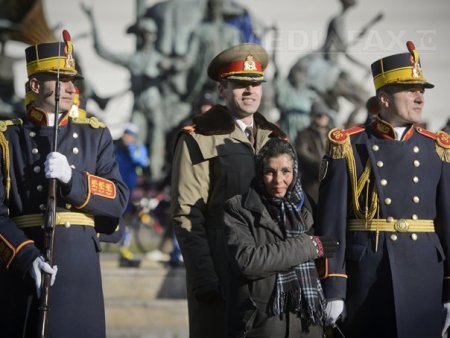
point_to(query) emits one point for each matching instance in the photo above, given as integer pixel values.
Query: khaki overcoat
(213, 161)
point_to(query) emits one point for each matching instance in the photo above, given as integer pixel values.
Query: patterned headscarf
(297, 290)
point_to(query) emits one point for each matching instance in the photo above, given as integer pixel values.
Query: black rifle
(50, 221)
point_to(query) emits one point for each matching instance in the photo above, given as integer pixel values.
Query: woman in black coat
(275, 290)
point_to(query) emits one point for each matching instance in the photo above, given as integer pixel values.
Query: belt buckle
(401, 225)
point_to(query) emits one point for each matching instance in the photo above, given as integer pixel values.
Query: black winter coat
(258, 251)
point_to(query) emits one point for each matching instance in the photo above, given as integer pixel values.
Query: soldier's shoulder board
(441, 137)
(92, 121)
(442, 140)
(340, 136)
(189, 129)
(4, 124)
(427, 133)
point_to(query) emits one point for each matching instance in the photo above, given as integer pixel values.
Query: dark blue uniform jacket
(393, 282)
(95, 190)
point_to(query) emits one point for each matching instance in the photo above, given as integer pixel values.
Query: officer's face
(241, 98)
(43, 86)
(402, 105)
(278, 175)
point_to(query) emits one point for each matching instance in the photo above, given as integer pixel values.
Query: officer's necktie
(250, 135)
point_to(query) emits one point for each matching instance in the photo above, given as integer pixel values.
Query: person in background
(214, 159)
(372, 108)
(311, 144)
(446, 128)
(275, 286)
(384, 195)
(90, 199)
(132, 159)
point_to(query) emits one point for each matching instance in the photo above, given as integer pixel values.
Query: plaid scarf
(297, 290)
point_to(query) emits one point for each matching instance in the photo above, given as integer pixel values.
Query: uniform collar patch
(39, 117)
(385, 130)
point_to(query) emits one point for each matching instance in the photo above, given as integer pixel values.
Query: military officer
(214, 160)
(385, 191)
(90, 199)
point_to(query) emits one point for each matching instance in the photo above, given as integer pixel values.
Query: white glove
(447, 318)
(333, 310)
(57, 166)
(40, 264)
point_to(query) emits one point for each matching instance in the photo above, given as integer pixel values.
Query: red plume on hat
(412, 49)
(68, 49)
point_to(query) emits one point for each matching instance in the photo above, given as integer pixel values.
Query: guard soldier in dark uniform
(385, 193)
(90, 199)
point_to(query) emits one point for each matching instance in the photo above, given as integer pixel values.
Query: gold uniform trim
(62, 218)
(401, 225)
(341, 275)
(51, 65)
(398, 75)
(92, 121)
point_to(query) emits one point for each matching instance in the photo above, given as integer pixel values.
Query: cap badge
(249, 63)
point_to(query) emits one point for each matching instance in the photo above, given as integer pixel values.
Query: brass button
(394, 237)
(67, 225)
(34, 151)
(37, 169)
(75, 135)
(387, 201)
(414, 237)
(39, 188)
(415, 217)
(380, 164)
(375, 147)
(32, 134)
(68, 206)
(383, 182)
(75, 150)
(416, 199)
(416, 163)
(415, 179)
(42, 207)
(390, 219)
(416, 149)
(72, 166)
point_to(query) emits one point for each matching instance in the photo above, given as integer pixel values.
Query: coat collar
(219, 121)
(39, 117)
(385, 130)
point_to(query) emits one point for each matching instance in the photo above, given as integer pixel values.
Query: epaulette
(6, 123)
(340, 136)
(442, 143)
(339, 141)
(189, 129)
(92, 121)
